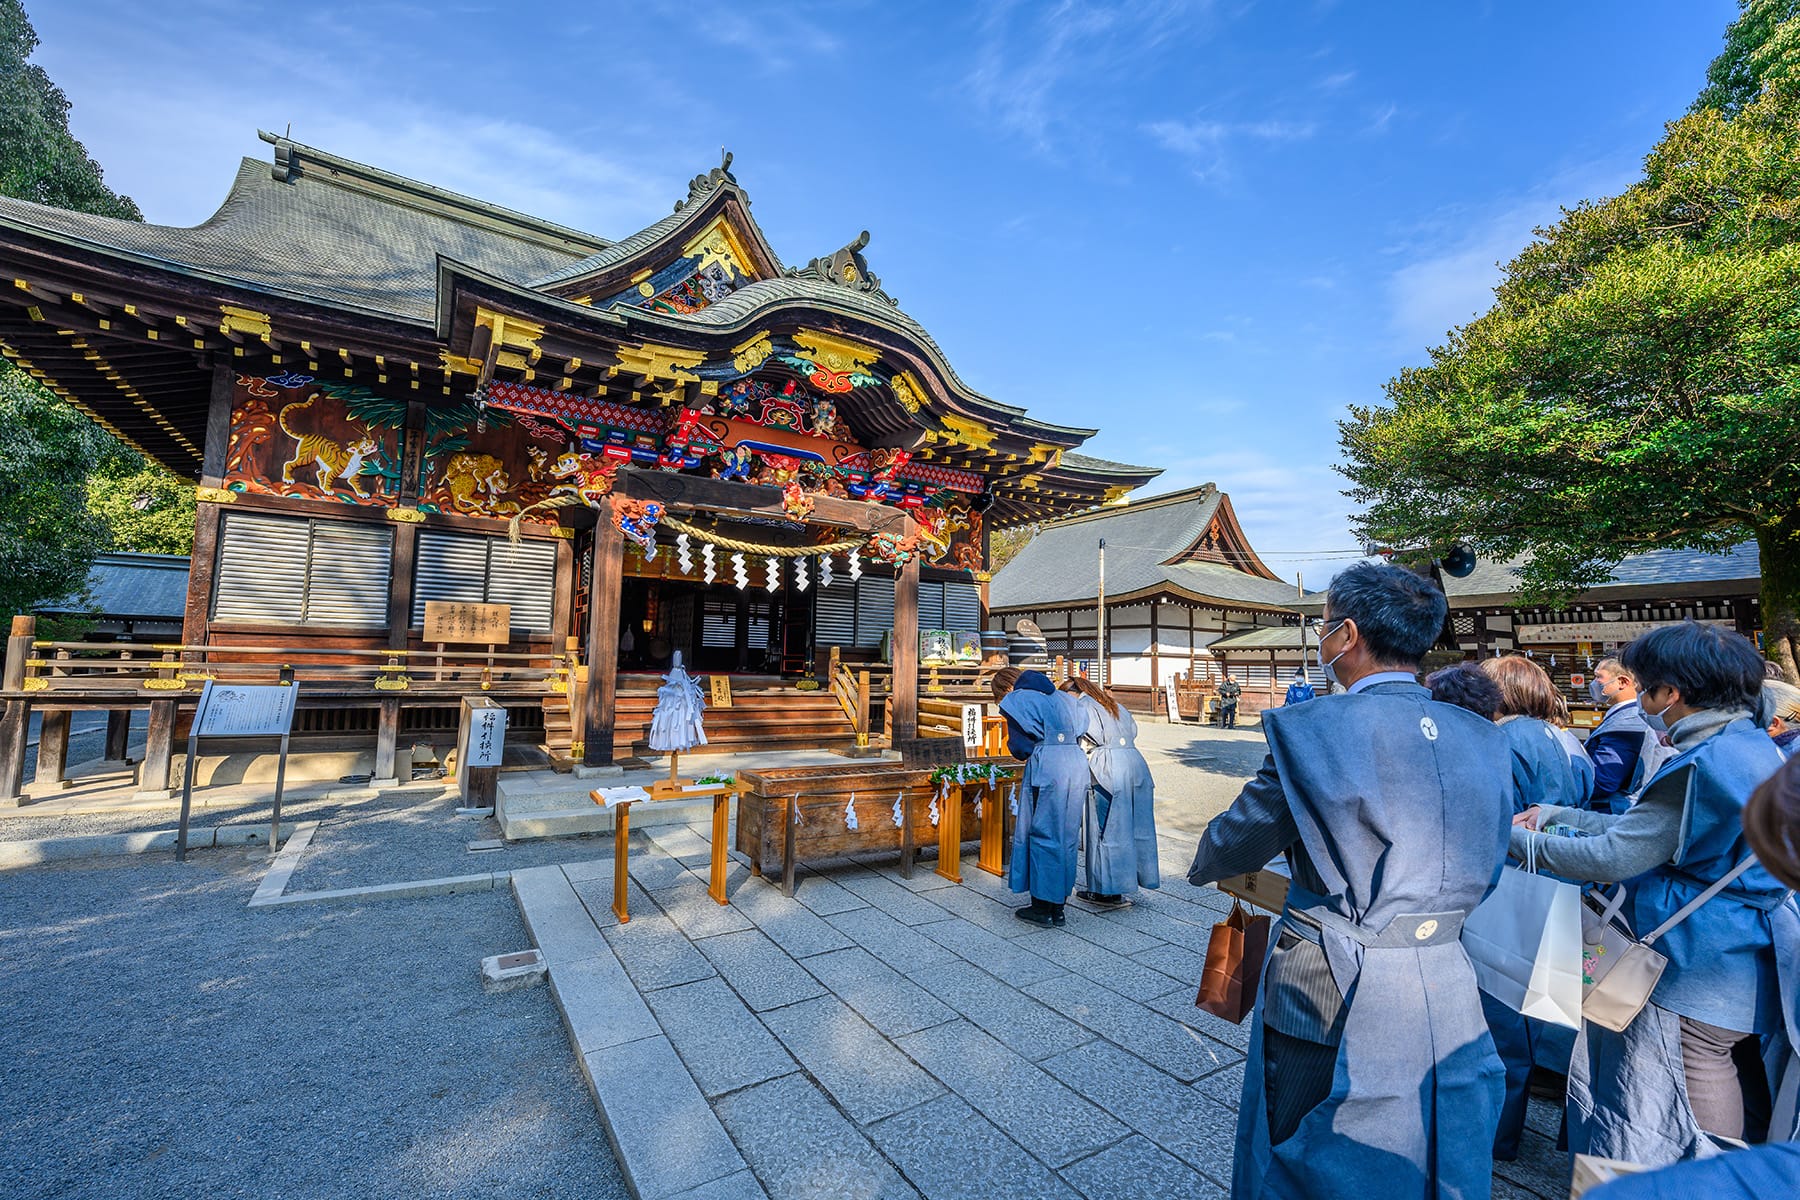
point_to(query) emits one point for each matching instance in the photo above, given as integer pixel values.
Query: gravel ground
(412, 837)
(164, 1040)
(22, 824)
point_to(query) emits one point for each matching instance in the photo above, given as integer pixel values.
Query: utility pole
(1300, 589)
(1100, 642)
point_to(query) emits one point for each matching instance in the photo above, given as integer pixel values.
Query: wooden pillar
(605, 581)
(16, 721)
(53, 748)
(905, 698)
(400, 585)
(118, 735)
(207, 521)
(387, 744)
(159, 750)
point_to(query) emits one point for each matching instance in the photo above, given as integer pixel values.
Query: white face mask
(1330, 673)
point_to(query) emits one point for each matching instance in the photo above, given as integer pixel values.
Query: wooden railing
(77, 667)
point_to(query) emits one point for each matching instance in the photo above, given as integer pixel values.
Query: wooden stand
(663, 789)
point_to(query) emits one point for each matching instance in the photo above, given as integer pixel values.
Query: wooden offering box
(768, 834)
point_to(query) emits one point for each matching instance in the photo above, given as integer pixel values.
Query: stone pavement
(882, 1037)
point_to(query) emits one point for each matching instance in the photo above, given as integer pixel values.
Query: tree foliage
(48, 535)
(144, 507)
(39, 158)
(1762, 46)
(1004, 544)
(1636, 383)
(67, 488)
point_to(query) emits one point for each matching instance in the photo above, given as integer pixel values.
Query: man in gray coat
(1371, 1069)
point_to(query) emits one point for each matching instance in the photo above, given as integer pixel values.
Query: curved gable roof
(318, 227)
(1060, 566)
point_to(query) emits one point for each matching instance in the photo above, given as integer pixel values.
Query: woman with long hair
(1120, 826)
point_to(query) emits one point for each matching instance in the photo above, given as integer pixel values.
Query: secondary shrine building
(390, 394)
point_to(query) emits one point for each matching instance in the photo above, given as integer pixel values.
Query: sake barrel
(995, 645)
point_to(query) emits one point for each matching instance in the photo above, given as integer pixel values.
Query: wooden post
(53, 748)
(622, 862)
(904, 699)
(208, 519)
(400, 586)
(159, 750)
(992, 856)
(17, 719)
(606, 581)
(907, 848)
(949, 863)
(720, 831)
(862, 708)
(387, 744)
(118, 735)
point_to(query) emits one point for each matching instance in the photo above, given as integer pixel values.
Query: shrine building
(1182, 586)
(391, 395)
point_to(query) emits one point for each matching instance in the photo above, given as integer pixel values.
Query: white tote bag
(1524, 941)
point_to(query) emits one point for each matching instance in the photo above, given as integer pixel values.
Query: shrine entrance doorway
(716, 627)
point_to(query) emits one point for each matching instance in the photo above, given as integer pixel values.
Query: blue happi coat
(1120, 826)
(1394, 821)
(1544, 771)
(1047, 835)
(1735, 963)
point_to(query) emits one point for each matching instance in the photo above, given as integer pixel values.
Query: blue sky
(1205, 228)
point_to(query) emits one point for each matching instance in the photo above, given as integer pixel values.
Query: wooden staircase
(766, 714)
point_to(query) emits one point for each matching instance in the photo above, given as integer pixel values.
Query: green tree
(48, 535)
(39, 158)
(1761, 46)
(53, 517)
(144, 507)
(1636, 384)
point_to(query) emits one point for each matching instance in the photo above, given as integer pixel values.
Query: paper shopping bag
(1524, 942)
(1234, 959)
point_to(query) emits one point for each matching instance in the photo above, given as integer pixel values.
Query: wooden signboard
(721, 690)
(454, 621)
(972, 727)
(1171, 701)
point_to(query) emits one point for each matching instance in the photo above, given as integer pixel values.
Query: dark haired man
(1371, 1068)
(1625, 751)
(1230, 690)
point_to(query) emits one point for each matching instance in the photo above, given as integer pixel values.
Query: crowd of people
(1376, 1063)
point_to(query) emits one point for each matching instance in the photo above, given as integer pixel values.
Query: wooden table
(771, 800)
(721, 794)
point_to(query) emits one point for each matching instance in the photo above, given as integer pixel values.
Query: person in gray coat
(1120, 826)
(1371, 1071)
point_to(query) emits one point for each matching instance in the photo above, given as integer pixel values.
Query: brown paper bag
(1234, 959)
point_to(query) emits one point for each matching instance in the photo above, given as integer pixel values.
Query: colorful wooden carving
(292, 436)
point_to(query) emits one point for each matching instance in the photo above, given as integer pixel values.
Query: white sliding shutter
(962, 607)
(524, 576)
(835, 609)
(874, 610)
(347, 579)
(474, 569)
(262, 570)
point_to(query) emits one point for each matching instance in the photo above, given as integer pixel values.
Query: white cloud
(1028, 55)
(1332, 83)
(1454, 261)
(1381, 119)
(1207, 144)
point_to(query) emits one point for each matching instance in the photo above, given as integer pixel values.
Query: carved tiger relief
(329, 458)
